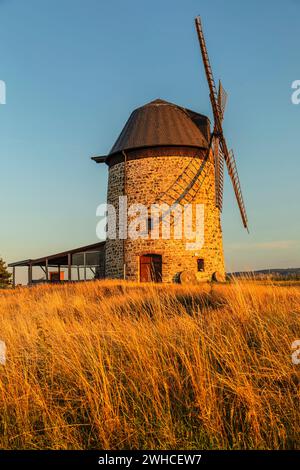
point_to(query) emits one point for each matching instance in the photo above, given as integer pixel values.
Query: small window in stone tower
(150, 225)
(200, 265)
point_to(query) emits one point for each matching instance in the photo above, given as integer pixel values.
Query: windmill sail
(218, 106)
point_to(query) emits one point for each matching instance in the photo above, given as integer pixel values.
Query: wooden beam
(100, 159)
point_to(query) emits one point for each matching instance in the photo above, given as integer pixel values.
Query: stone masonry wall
(114, 248)
(146, 178)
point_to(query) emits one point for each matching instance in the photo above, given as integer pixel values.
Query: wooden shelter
(90, 257)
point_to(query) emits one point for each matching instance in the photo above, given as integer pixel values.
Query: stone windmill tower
(167, 154)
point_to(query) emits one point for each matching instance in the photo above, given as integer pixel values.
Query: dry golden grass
(117, 365)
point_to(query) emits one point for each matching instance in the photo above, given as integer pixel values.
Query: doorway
(151, 268)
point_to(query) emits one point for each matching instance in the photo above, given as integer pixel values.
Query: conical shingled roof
(160, 123)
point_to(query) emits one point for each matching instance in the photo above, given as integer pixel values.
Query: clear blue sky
(74, 71)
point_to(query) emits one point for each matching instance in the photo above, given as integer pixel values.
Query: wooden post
(69, 267)
(84, 262)
(14, 276)
(30, 274)
(78, 272)
(47, 270)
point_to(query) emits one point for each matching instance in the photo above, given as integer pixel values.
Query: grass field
(120, 366)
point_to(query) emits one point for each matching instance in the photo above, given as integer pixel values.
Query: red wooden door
(151, 268)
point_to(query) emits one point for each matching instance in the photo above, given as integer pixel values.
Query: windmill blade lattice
(188, 183)
(219, 174)
(222, 99)
(186, 186)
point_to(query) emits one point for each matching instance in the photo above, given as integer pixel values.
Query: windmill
(167, 155)
(220, 149)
